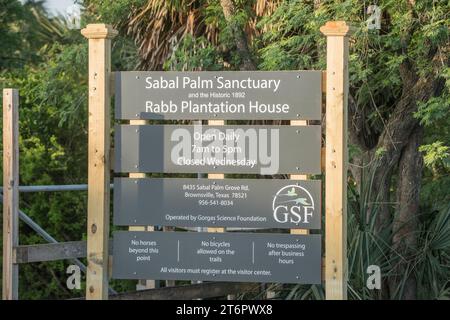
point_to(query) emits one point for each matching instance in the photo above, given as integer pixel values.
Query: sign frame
(337, 34)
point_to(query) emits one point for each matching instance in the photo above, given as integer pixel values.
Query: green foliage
(194, 54)
(436, 109)
(110, 11)
(295, 42)
(53, 144)
(291, 41)
(25, 30)
(11, 17)
(433, 257)
(436, 154)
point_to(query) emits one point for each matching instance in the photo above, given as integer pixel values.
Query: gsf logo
(293, 204)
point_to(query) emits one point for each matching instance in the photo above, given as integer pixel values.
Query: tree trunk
(391, 142)
(397, 147)
(397, 133)
(405, 224)
(240, 39)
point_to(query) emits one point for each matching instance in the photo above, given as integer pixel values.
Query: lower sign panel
(239, 257)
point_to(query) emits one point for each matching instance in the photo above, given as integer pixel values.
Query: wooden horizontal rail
(50, 251)
(203, 290)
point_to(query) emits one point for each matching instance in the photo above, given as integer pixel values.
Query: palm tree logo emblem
(293, 203)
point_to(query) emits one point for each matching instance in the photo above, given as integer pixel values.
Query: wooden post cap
(99, 31)
(337, 28)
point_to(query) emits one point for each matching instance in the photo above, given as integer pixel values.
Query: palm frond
(159, 25)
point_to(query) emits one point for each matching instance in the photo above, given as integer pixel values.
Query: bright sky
(59, 6)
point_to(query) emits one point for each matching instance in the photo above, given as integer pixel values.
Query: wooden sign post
(99, 36)
(10, 192)
(337, 33)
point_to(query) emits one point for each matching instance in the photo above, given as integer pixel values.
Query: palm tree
(158, 26)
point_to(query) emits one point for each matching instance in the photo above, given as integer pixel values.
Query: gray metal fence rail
(38, 229)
